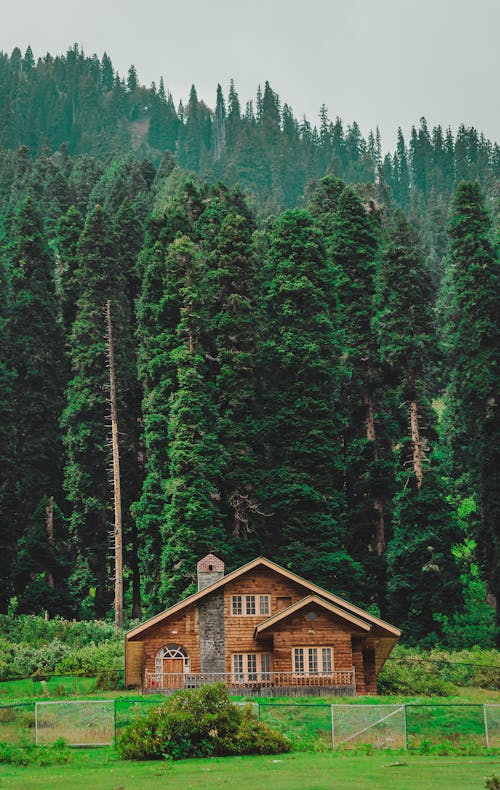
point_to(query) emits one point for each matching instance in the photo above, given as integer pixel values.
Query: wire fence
(403, 726)
(309, 726)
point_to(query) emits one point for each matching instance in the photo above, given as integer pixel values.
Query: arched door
(172, 663)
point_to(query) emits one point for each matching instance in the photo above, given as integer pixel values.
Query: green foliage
(416, 670)
(201, 723)
(474, 341)
(412, 680)
(57, 754)
(31, 645)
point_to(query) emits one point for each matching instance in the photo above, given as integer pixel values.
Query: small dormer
(210, 569)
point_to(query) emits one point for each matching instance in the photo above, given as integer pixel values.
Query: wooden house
(260, 628)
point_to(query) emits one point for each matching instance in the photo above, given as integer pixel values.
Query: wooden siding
(357, 662)
(370, 673)
(240, 628)
(351, 646)
(180, 629)
(134, 663)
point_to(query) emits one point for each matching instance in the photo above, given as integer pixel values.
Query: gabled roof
(262, 561)
(307, 601)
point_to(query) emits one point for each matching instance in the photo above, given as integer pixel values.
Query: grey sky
(385, 62)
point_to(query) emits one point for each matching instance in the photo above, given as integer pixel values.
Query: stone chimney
(210, 569)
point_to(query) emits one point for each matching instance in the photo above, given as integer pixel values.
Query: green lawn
(99, 768)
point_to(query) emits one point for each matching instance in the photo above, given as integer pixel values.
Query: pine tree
(302, 368)
(86, 417)
(233, 327)
(35, 346)
(421, 567)
(7, 467)
(192, 522)
(158, 314)
(354, 248)
(475, 359)
(68, 232)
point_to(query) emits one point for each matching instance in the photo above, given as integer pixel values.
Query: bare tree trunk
(416, 444)
(116, 477)
(49, 512)
(378, 506)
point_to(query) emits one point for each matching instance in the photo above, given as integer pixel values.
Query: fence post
(36, 723)
(486, 733)
(114, 721)
(406, 728)
(332, 717)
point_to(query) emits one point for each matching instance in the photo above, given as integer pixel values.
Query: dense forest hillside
(306, 342)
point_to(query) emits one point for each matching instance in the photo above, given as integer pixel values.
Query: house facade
(263, 629)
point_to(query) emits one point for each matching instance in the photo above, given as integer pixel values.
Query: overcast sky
(385, 62)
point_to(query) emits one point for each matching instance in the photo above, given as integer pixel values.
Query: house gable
(390, 630)
(275, 619)
(262, 611)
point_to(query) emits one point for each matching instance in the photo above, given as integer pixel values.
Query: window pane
(298, 660)
(238, 666)
(250, 604)
(326, 658)
(312, 655)
(237, 608)
(264, 604)
(252, 666)
(265, 666)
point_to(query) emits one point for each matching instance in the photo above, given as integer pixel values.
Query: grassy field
(100, 768)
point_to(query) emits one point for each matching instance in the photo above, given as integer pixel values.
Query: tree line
(318, 384)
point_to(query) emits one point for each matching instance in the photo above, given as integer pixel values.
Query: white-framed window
(250, 605)
(264, 604)
(312, 660)
(237, 606)
(251, 667)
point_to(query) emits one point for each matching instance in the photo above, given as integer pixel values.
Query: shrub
(108, 680)
(199, 723)
(92, 659)
(411, 679)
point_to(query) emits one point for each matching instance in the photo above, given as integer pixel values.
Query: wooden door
(173, 665)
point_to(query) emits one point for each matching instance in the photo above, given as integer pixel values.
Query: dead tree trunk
(49, 512)
(378, 506)
(416, 444)
(116, 476)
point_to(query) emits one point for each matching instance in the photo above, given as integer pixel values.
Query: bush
(412, 679)
(199, 723)
(108, 680)
(92, 659)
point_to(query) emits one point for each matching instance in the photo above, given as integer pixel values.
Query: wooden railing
(177, 680)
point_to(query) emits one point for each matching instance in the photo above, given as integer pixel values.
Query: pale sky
(385, 62)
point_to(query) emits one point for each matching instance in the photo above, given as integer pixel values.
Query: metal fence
(308, 725)
(404, 726)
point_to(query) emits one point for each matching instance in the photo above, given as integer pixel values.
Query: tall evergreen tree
(302, 366)
(234, 329)
(86, 416)
(192, 522)
(353, 247)
(475, 359)
(35, 347)
(421, 567)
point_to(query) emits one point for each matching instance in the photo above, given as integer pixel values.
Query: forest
(306, 335)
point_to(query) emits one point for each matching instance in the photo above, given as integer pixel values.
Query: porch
(265, 684)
